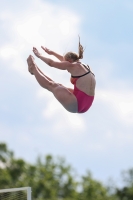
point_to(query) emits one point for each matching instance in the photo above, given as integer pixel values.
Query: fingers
(34, 49)
(36, 52)
(44, 48)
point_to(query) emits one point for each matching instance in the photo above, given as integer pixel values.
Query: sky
(32, 122)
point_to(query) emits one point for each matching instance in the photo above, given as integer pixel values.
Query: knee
(61, 93)
(51, 86)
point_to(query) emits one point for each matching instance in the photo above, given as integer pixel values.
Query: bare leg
(70, 89)
(44, 74)
(30, 67)
(43, 80)
(61, 93)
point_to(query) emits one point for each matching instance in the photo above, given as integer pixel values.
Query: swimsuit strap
(87, 67)
(80, 75)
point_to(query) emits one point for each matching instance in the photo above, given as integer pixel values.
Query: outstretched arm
(60, 57)
(63, 65)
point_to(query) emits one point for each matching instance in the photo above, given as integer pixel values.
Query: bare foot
(31, 64)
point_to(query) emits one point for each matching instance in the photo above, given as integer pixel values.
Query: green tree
(93, 190)
(126, 192)
(5, 154)
(53, 179)
(50, 178)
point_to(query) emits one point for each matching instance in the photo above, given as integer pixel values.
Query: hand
(36, 52)
(48, 51)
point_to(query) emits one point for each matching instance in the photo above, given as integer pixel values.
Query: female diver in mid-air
(77, 100)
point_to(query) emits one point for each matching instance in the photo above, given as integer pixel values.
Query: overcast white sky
(32, 122)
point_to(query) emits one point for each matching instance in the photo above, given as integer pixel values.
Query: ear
(70, 60)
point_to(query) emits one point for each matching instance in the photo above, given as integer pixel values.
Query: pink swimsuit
(84, 100)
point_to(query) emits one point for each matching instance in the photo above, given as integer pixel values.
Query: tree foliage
(126, 192)
(53, 179)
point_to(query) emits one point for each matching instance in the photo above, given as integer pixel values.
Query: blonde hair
(81, 50)
(74, 56)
